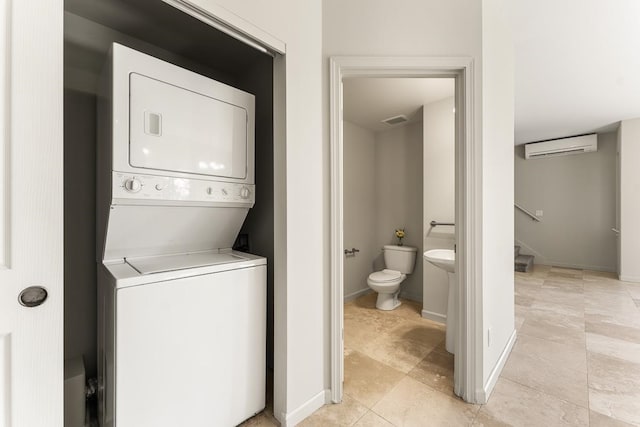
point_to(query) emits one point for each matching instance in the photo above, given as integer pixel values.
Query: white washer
(184, 347)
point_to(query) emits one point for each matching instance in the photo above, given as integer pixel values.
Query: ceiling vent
(395, 120)
(561, 147)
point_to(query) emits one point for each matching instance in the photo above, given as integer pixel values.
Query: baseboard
(296, 416)
(411, 297)
(485, 393)
(436, 317)
(635, 279)
(542, 260)
(580, 266)
(357, 294)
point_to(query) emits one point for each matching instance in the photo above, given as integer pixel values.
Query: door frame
(468, 211)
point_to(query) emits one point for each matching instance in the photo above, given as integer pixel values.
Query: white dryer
(182, 317)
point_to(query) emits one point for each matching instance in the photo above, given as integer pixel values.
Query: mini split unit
(561, 147)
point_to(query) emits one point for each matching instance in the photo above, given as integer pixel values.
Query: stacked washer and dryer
(181, 316)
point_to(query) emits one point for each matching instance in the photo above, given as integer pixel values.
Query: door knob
(32, 296)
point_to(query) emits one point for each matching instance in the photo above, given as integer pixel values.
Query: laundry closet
(164, 33)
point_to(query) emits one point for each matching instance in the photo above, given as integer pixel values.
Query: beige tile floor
(576, 361)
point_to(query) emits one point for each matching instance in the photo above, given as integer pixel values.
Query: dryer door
(177, 130)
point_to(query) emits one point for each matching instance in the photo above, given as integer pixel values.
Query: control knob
(245, 192)
(132, 185)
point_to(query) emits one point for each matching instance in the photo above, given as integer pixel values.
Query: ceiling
(577, 66)
(367, 101)
(577, 71)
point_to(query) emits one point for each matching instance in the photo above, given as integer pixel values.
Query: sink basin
(443, 258)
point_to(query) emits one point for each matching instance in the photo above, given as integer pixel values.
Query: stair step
(523, 263)
(516, 251)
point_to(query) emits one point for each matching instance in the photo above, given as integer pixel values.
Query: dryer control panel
(152, 188)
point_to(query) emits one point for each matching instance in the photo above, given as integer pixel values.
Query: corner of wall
(296, 416)
(492, 379)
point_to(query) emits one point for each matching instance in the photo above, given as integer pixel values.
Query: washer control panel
(151, 187)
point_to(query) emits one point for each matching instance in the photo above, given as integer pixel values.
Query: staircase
(523, 263)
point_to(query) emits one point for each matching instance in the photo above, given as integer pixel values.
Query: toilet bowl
(387, 284)
(399, 261)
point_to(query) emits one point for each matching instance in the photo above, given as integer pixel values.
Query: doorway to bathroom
(399, 175)
(404, 199)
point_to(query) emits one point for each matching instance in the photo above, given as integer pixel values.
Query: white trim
(436, 317)
(296, 416)
(357, 294)
(280, 278)
(468, 365)
(635, 279)
(337, 244)
(485, 393)
(468, 370)
(5, 132)
(5, 379)
(231, 24)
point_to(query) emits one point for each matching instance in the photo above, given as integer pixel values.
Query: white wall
(497, 188)
(360, 212)
(629, 200)
(577, 197)
(438, 201)
(398, 186)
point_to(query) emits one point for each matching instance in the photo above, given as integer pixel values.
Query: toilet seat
(387, 284)
(385, 276)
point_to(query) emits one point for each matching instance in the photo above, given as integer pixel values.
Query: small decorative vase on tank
(400, 235)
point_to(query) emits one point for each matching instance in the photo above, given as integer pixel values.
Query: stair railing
(526, 212)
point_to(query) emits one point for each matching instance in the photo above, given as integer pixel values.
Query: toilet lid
(385, 275)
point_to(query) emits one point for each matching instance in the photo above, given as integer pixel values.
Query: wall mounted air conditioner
(561, 147)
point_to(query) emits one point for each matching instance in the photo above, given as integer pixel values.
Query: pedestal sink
(446, 260)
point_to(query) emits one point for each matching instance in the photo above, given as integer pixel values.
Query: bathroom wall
(360, 209)
(576, 195)
(438, 201)
(398, 188)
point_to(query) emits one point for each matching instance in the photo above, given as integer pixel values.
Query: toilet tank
(400, 258)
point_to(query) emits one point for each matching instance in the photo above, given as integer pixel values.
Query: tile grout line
(586, 355)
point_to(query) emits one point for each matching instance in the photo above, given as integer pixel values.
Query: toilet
(399, 261)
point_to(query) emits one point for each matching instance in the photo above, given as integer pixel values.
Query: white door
(31, 200)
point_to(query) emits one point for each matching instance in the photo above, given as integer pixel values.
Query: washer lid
(162, 263)
(385, 275)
